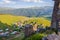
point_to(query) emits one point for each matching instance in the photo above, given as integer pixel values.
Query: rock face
(52, 37)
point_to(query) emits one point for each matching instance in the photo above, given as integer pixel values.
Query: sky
(25, 3)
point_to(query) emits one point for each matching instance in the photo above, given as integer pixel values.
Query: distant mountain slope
(33, 11)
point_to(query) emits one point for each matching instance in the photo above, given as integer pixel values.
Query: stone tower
(56, 15)
(28, 30)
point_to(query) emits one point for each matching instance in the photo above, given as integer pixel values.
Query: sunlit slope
(10, 19)
(40, 20)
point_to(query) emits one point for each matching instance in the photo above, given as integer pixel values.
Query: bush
(37, 36)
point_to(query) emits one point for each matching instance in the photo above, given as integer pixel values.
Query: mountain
(33, 11)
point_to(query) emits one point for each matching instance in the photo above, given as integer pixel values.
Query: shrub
(37, 36)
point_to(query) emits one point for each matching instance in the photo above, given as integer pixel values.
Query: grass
(37, 36)
(11, 19)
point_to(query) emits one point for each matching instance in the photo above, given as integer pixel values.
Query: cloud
(17, 1)
(32, 0)
(24, 3)
(6, 1)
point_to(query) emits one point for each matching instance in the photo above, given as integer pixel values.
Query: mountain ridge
(33, 11)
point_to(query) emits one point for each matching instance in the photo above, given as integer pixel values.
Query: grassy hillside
(10, 19)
